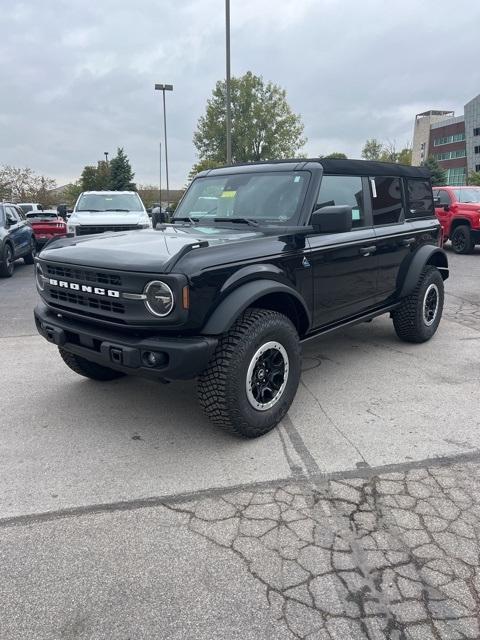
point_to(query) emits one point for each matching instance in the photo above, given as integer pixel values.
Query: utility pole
(228, 117)
(160, 175)
(163, 88)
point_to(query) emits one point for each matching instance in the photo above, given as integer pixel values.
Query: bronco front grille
(87, 302)
(87, 230)
(84, 275)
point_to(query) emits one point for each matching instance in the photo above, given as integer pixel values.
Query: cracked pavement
(125, 515)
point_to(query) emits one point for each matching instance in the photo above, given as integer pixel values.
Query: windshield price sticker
(229, 194)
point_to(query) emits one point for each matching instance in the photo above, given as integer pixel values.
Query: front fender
(243, 297)
(410, 274)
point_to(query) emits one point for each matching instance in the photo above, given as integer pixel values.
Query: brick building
(452, 140)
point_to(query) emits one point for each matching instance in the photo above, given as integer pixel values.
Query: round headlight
(159, 300)
(39, 277)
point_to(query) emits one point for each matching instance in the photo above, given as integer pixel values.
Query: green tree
(439, 175)
(474, 178)
(121, 174)
(24, 185)
(372, 149)
(405, 156)
(203, 165)
(263, 125)
(336, 154)
(103, 176)
(88, 179)
(71, 192)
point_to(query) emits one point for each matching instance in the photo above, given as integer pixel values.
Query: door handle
(366, 251)
(407, 242)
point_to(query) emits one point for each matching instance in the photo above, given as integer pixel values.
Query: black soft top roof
(372, 168)
(330, 165)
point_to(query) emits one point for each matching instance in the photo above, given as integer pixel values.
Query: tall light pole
(228, 117)
(163, 88)
(105, 153)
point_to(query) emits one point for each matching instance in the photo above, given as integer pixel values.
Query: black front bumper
(178, 358)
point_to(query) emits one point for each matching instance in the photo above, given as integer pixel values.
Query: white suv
(100, 211)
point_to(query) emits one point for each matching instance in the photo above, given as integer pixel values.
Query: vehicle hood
(100, 218)
(147, 250)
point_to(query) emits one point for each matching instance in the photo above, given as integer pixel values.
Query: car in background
(101, 211)
(46, 225)
(458, 211)
(30, 206)
(16, 239)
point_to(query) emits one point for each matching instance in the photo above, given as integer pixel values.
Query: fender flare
(427, 254)
(241, 298)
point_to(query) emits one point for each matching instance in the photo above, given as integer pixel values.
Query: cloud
(77, 78)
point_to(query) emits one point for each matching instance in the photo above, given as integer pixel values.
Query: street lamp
(163, 88)
(105, 153)
(227, 56)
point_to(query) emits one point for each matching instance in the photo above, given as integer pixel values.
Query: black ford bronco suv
(257, 259)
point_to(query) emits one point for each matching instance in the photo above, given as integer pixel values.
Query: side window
(387, 206)
(443, 197)
(12, 215)
(20, 214)
(420, 200)
(337, 190)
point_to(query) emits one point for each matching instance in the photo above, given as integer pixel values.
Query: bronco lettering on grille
(85, 288)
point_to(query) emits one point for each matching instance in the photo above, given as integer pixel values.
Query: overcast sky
(77, 76)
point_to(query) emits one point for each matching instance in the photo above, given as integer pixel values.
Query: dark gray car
(16, 239)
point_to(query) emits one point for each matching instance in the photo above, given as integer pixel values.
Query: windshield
(468, 195)
(267, 197)
(109, 202)
(25, 207)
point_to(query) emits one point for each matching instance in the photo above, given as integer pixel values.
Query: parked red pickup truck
(46, 225)
(458, 210)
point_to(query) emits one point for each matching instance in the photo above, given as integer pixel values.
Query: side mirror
(446, 207)
(336, 219)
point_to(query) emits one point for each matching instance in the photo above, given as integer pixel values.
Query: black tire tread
(3, 266)
(471, 244)
(211, 387)
(88, 369)
(405, 317)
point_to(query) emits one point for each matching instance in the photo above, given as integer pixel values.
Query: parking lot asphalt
(125, 514)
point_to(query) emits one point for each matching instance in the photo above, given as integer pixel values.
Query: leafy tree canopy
(439, 175)
(264, 127)
(474, 178)
(121, 174)
(24, 185)
(336, 154)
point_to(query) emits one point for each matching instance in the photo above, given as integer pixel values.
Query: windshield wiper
(186, 219)
(94, 210)
(118, 210)
(250, 221)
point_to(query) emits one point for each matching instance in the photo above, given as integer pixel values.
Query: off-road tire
(222, 386)
(409, 319)
(30, 257)
(461, 240)
(88, 369)
(7, 263)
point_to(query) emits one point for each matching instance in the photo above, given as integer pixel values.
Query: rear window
(25, 207)
(387, 206)
(40, 215)
(420, 199)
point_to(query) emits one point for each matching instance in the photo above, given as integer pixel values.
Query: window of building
(387, 206)
(420, 199)
(337, 190)
(456, 176)
(477, 167)
(477, 148)
(476, 131)
(456, 137)
(450, 155)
